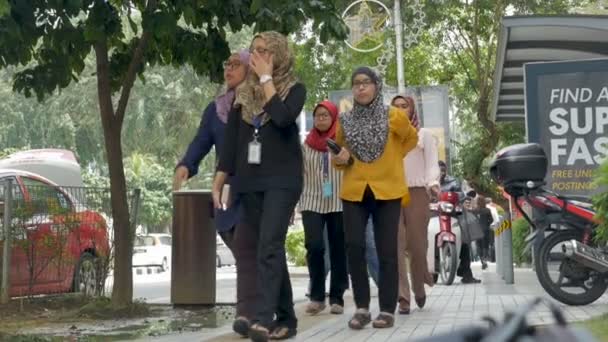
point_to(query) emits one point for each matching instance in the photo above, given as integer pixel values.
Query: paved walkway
(448, 308)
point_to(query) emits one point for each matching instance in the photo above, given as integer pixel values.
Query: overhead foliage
(50, 41)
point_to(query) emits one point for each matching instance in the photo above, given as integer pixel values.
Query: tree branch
(499, 9)
(134, 65)
(471, 49)
(464, 66)
(476, 41)
(104, 91)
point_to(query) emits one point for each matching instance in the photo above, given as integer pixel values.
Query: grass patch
(101, 308)
(24, 313)
(27, 338)
(21, 313)
(598, 327)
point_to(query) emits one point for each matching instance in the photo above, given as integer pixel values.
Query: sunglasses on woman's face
(323, 116)
(231, 65)
(362, 83)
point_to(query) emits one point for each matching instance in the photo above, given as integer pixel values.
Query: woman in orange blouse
(377, 138)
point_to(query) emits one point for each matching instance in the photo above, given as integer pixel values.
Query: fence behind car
(56, 239)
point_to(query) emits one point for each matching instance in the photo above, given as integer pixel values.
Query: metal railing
(56, 239)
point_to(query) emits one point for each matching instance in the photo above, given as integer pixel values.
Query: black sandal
(360, 320)
(384, 320)
(241, 326)
(403, 309)
(258, 333)
(283, 333)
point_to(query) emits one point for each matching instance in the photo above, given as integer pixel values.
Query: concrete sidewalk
(448, 308)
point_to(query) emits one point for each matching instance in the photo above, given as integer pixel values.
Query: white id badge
(254, 153)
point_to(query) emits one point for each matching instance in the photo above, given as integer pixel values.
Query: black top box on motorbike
(519, 164)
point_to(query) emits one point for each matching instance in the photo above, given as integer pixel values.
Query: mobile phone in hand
(225, 196)
(333, 146)
(335, 149)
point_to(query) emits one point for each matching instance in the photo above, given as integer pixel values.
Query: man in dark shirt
(449, 183)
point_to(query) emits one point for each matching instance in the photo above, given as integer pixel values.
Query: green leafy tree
(601, 201)
(466, 36)
(52, 39)
(144, 172)
(458, 48)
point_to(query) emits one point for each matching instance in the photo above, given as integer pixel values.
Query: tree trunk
(122, 291)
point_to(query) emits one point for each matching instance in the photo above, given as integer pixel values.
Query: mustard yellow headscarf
(250, 94)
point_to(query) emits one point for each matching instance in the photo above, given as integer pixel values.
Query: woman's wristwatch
(265, 78)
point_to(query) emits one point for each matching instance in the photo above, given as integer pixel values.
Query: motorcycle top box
(517, 165)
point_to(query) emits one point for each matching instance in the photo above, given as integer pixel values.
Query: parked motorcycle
(569, 264)
(444, 236)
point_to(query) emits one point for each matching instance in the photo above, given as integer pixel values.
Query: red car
(57, 242)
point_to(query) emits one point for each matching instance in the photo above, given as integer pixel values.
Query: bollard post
(507, 238)
(498, 249)
(6, 249)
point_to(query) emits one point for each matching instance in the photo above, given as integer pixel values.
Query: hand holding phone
(333, 146)
(341, 154)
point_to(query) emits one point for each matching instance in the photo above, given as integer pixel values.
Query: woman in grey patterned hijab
(366, 126)
(373, 185)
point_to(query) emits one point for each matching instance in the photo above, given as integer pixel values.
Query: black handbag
(470, 227)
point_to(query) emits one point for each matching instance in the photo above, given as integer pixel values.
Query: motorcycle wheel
(448, 263)
(577, 276)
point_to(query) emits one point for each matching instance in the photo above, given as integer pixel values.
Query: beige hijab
(250, 94)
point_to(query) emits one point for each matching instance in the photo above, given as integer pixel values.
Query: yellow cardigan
(385, 176)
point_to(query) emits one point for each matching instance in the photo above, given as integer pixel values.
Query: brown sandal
(384, 320)
(258, 333)
(315, 308)
(404, 307)
(283, 333)
(241, 326)
(360, 319)
(336, 309)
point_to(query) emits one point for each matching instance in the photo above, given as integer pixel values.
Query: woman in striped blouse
(321, 207)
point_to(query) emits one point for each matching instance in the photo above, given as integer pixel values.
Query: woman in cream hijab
(262, 151)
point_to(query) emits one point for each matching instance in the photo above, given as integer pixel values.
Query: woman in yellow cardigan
(375, 139)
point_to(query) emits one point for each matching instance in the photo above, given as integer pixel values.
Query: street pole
(399, 46)
(6, 250)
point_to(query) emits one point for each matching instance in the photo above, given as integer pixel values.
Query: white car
(152, 250)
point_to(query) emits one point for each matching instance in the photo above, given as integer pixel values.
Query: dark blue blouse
(210, 134)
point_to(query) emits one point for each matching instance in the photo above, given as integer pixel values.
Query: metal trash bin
(193, 249)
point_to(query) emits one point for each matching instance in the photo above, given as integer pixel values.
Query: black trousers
(484, 247)
(464, 268)
(268, 213)
(385, 216)
(314, 227)
(243, 244)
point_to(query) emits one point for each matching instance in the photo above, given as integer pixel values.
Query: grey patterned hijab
(366, 127)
